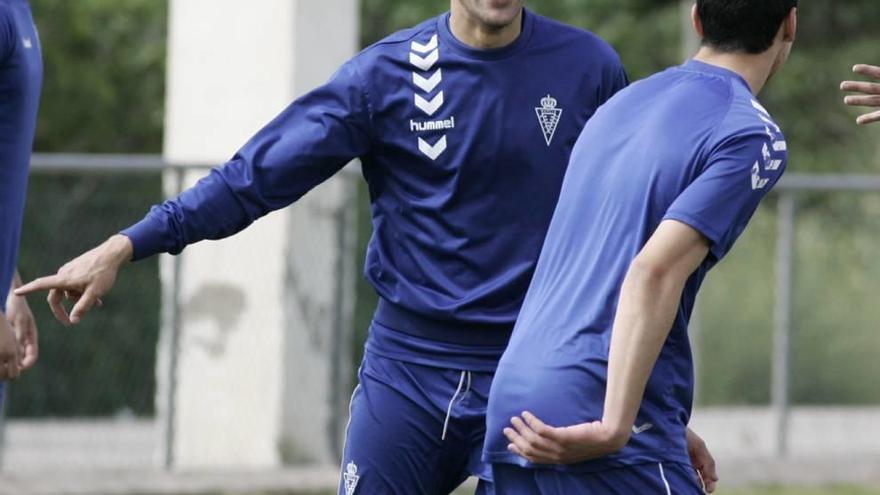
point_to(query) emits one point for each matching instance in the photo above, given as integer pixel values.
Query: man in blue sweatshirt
(21, 77)
(464, 125)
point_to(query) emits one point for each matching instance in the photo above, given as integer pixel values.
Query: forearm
(208, 210)
(16, 281)
(646, 310)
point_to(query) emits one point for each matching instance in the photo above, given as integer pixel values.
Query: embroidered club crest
(548, 117)
(350, 478)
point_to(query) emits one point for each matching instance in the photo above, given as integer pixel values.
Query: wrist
(119, 248)
(618, 432)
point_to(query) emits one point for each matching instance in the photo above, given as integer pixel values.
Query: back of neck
(755, 69)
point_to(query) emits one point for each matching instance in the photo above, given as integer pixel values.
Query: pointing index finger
(40, 284)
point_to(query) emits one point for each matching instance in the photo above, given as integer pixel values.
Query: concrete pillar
(252, 357)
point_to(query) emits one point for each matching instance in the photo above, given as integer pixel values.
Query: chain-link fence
(787, 322)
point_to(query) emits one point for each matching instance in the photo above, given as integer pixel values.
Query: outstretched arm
(311, 140)
(649, 301)
(20, 317)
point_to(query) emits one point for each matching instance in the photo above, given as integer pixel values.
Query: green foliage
(105, 75)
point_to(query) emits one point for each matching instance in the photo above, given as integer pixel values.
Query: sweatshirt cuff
(146, 238)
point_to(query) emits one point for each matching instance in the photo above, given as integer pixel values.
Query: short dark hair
(742, 25)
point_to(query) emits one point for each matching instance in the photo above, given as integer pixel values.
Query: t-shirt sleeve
(614, 79)
(311, 140)
(738, 175)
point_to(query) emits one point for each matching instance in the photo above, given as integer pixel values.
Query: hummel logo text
(435, 125)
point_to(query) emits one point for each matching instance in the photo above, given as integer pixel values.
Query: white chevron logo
(434, 151)
(641, 429)
(770, 123)
(420, 48)
(429, 107)
(760, 108)
(428, 84)
(425, 63)
(757, 181)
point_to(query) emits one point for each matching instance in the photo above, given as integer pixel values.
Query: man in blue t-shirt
(464, 125)
(594, 392)
(21, 76)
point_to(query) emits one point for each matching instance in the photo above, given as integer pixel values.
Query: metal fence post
(171, 301)
(782, 321)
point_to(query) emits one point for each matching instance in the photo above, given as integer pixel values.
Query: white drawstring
(452, 402)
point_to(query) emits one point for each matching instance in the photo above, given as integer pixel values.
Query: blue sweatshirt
(463, 150)
(690, 144)
(21, 77)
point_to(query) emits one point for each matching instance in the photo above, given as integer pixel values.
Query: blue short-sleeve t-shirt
(690, 144)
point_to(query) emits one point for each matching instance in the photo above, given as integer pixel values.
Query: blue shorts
(415, 429)
(642, 479)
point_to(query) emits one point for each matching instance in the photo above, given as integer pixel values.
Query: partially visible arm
(20, 317)
(9, 354)
(9, 358)
(870, 93)
(649, 301)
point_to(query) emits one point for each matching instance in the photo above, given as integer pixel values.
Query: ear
(789, 26)
(698, 24)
